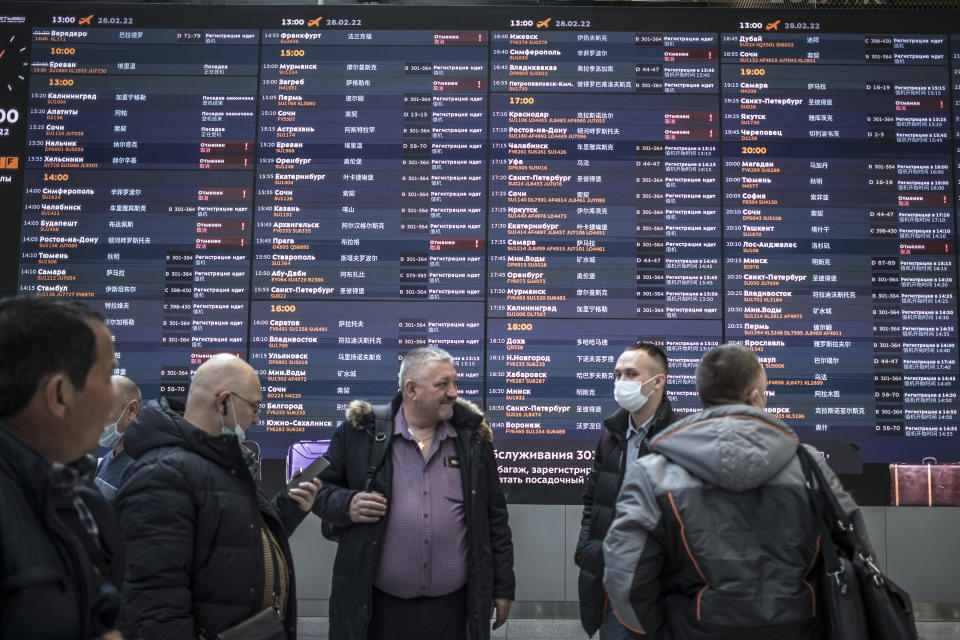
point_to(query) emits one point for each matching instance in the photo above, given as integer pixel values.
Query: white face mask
(110, 436)
(629, 394)
(237, 429)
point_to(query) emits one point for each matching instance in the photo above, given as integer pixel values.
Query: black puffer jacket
(50, 588)
(489, 545)
(191, 515)
(599, 506)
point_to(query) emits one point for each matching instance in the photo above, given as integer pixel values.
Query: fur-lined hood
(358, 409)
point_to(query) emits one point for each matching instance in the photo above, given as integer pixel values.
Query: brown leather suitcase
(928, 484)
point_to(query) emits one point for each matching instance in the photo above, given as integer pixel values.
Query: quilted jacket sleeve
(158, 519)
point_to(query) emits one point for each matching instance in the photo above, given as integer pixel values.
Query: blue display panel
(313, 358)
(551, 381)
(840, 232)
(532, 190)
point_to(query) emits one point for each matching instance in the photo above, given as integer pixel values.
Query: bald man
(206, 549)
(126, 405)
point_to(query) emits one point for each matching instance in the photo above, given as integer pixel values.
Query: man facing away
(126, 405)
(426, 550)
(640, 376)
(715, 535)
(205, 548)
(60, 548)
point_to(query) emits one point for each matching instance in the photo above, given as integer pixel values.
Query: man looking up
(126, 406)
(425, 551)
(715, 536)
(59, 544)
(206, 550)
(640, 376)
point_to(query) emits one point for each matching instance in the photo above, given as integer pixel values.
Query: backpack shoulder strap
(605, 439)
(381, 441)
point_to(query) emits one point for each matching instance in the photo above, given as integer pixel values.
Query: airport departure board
(320, 189)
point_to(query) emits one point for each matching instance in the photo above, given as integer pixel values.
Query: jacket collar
(467, 417)
(158, 425)
(618, 423)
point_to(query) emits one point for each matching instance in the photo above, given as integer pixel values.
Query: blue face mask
(237, 429)
(110, 436)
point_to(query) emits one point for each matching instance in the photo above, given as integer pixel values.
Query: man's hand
(367, 506)
(305, 493)
(502, 605)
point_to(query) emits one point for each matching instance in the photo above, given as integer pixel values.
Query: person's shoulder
(469, 416)
(358, 414)
(167, 459)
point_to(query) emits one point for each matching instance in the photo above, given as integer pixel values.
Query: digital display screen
(321, 189)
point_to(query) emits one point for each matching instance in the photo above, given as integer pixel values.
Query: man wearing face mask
(640, 376)
(714, 536)
(127, 403)
(206, 549)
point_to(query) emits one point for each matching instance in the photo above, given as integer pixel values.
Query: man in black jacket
(425, 550)
(60, 548)
(640, 380)
(205, 548)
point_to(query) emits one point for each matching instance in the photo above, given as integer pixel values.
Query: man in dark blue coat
(127, 403)
(205, 548)
(60, 550)
(425, 551)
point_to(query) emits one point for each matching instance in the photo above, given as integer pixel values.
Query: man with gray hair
(126, 405)
(425, 550)
(715, 536)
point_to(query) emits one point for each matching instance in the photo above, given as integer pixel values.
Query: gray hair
(415, 360)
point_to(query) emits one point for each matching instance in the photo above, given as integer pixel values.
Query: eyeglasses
(253, 405)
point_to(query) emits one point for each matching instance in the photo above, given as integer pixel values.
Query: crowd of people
(692, 528)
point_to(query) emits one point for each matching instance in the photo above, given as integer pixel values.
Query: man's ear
(663, 385)
(55, 392)
(756, 398)
(409, 388)
(221, 400)
(134, 408)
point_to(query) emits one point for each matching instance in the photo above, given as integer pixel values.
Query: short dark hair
(39, 337)
(726, 374)
(655, 352)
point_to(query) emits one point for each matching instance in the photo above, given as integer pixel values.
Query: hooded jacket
(715, 535)
(50, 587)
(191, 516)
(599, 505)
(489, 544)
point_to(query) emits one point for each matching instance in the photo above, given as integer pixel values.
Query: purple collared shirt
(424, 549)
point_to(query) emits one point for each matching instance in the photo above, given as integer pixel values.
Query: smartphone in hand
(312, 471)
